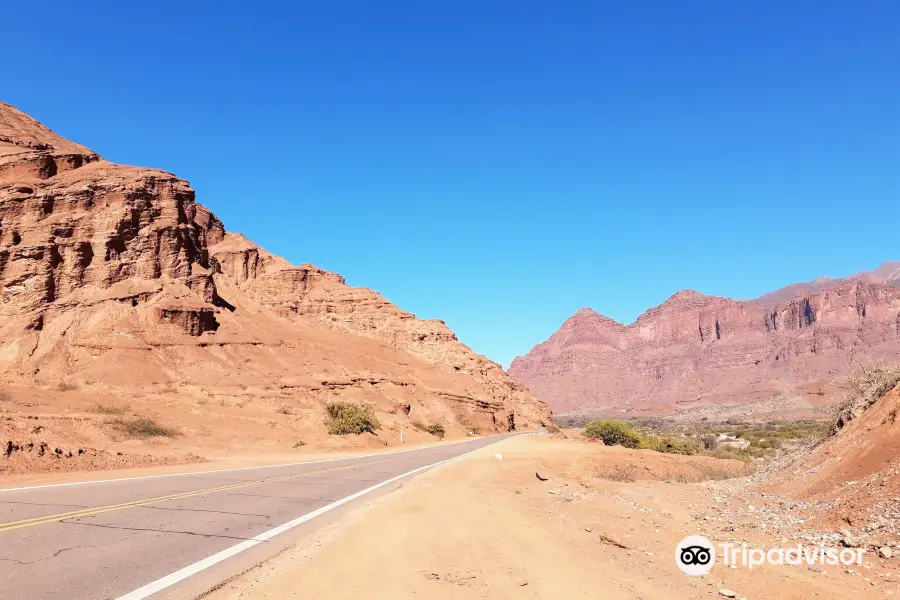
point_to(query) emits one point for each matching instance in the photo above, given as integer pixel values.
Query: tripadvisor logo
(696, 555)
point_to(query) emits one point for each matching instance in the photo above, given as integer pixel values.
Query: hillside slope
(114, 274)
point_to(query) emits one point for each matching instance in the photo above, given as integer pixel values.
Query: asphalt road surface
(156, 537)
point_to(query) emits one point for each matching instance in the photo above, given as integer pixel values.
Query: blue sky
(499, 165)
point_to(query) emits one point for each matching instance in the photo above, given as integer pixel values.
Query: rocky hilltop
(697, 349)
(116, 274)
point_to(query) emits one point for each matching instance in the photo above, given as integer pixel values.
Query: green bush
(613, 433)
(672, 445)
(435, 429)
(345, 418)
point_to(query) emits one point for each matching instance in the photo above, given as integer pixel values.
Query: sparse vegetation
(862, 389)
(613, 433)
(471, 426)
(709, 441)
(299, 444)
(572, 421)
(109, 409)
(620, 433)
(617, 472)
(346, 418)
(65, 386)
(5, 397)
(435, 429)
(285, 410)
(671, 444)
(143, 428)
(688, 471)
(705, 470)
(551, 428)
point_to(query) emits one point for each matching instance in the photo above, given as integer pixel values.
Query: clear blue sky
(499, 165)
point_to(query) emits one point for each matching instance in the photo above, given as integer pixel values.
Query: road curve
(138, 538)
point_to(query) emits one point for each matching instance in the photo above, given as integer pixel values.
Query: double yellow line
(88, 512)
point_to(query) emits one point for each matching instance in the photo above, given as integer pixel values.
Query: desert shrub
(345, 418)
(109, 409)
(435, 429)
(702, 470)
(671, 445)
(5, 397)
(617, 472)
(65, 386)
(299, 444)
(144, 428)
(551, 428)
(709, 441)
(613, 433)
(284, 410)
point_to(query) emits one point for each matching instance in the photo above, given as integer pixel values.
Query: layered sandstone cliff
(696, 348)
(115, 273)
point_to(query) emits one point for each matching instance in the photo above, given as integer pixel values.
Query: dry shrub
(705, 470)
(345, 418)
(143, 428)
(109, 409)
(435, 429)
(617, 472)
(671, 444)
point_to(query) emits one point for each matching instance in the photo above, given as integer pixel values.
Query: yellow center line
(87, 512)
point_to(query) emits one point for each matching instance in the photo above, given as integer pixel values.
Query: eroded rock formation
(696, 348)
(116, 273)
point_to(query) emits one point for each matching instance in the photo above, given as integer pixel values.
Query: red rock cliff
(115, 273)
(694, 346)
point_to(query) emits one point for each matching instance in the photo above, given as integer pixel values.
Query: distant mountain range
(888, 273)
(695, 349)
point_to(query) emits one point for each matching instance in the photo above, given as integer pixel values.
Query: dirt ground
(58, 431)
(480, 527)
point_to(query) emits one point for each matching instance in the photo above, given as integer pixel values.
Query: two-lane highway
(134, 538)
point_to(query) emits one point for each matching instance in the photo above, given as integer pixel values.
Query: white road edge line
(294, 464)
(201, 565)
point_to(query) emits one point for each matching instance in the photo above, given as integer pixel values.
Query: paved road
(142, 538)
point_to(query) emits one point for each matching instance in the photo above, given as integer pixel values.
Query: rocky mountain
(116, 274)
(888, 273)
(696, 349)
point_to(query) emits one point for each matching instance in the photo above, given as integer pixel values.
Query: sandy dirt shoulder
(486, 528)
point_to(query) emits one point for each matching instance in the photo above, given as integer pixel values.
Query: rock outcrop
(704, 349)
(116, 273)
